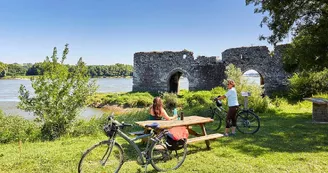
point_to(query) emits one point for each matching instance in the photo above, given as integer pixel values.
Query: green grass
(286, 142)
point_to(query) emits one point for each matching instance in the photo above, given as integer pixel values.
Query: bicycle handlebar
(122, 125)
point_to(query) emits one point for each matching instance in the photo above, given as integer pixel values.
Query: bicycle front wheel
(163, 159)
(248, 122)
(217, 121)
(105, 156)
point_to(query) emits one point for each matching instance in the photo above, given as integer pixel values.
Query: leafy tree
(35, 69)
(3, 68)
(307, 20)
(59, 94)
(16, 69)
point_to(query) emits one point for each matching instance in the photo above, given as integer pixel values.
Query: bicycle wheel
(102, 157)
(163, 159)
(248, 122)
(217, 120)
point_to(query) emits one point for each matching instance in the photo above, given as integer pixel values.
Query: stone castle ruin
(161, 71)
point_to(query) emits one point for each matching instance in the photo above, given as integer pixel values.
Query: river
(9, 93)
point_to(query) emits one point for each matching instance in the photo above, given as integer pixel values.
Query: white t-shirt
(232, 97)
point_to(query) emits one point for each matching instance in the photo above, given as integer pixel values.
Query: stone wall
(258, 58)
(153, 71)
(320, 113)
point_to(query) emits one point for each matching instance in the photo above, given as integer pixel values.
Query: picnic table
(188, 121)
(319, 109)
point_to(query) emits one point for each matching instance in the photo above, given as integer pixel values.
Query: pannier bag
(177, 137)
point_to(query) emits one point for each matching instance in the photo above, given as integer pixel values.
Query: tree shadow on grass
(288, 132)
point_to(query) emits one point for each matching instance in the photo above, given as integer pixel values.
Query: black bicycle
(247, 121)
(161, 151)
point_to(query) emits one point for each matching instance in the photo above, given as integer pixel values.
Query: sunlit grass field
(287, 142)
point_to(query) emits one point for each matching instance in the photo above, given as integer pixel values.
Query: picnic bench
(319, 109)
(188, 121)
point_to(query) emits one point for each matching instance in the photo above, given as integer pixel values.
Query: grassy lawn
(286, 142)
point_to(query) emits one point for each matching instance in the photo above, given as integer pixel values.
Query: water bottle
(181, 116)
(175, 113)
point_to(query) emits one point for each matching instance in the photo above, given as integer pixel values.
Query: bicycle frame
(131, 141)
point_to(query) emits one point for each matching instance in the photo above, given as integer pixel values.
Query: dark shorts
(232, 117)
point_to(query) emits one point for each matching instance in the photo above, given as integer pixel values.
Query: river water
(9, 93)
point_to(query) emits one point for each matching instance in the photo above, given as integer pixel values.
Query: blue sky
(108, 32)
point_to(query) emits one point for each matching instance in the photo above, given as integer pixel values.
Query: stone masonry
(320, 113)
(161, 71)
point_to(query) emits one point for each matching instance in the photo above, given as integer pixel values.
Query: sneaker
(226, 134)
(232, 134)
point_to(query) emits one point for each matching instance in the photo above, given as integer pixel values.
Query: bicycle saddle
(153, 125)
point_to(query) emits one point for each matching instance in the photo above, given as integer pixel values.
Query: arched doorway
(254, 77)
(174, 82)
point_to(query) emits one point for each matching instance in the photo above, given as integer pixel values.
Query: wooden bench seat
(204, 138)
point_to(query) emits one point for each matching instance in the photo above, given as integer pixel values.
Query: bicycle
(247, 121)
(107, 155)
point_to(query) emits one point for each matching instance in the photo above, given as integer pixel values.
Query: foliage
(16, 69)
(3, 68)
(110, 70)
(59, 95)
(191, 99)
(256, 101)
(35, 69)
(16, 128)
(137, 99)
(306, 84)
(307, 20)
(170, 100)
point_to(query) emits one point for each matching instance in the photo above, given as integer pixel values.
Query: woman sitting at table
(157, 112)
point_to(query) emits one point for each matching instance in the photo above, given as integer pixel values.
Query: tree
(35, 69)
(3, 68)
(59, 94)
(307, 20)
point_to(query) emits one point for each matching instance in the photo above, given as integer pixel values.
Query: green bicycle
(107, 156)
(247, 121)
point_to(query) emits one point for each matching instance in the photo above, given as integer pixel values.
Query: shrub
(137, 99)
(15, 128)
(197, 98)
(170, 100)
(306, 84)
(60, 94)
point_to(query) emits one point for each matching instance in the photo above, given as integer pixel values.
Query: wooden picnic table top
(320, 101)
(187, 121)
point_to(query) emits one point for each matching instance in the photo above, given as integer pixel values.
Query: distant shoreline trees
(29, 69)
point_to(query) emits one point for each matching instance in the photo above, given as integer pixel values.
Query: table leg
(204, 134)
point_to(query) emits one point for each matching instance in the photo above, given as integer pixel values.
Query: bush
(15, 128)
(170, 100)
(306, 84)
(196, 98)
(137, 99)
